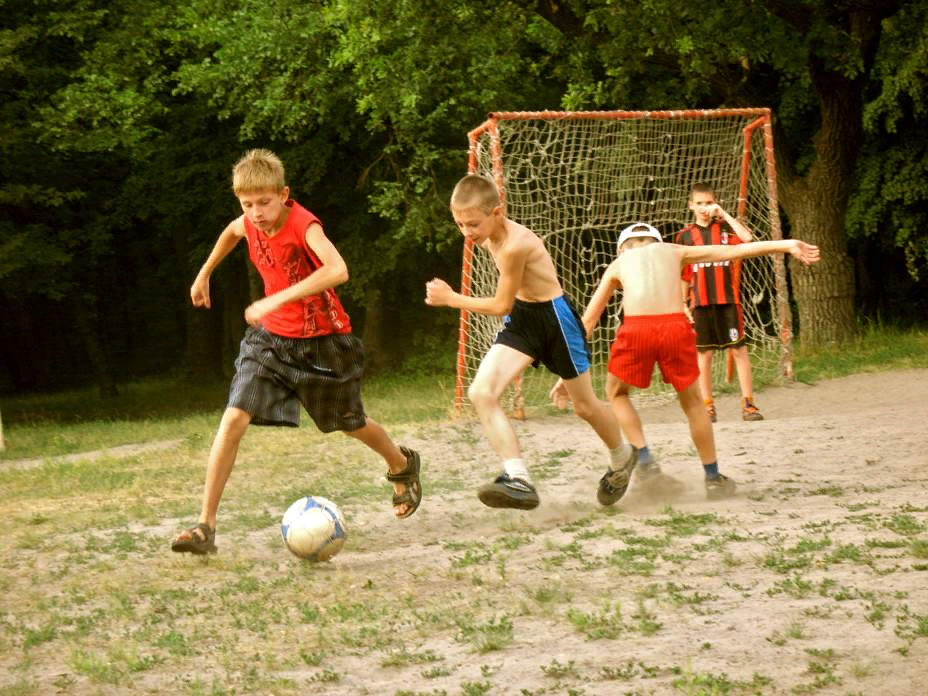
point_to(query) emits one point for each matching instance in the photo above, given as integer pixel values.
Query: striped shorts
(275, 374)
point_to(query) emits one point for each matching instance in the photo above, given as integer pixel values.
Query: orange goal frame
(762, 120)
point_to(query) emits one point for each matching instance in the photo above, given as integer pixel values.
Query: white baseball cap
(639, 229)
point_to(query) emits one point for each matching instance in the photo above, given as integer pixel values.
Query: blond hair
(258, 170)
(475, 191)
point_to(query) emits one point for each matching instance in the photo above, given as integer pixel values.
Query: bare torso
(650, 277)
(539, 282)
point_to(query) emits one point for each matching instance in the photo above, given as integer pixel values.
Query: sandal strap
(208, 532)
(410, 473)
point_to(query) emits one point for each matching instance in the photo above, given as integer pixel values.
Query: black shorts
(275, 374)
(718, 326)
(551, 333)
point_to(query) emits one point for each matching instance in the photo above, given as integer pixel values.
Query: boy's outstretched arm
(511, 268)
(806, 253)
(228, 238)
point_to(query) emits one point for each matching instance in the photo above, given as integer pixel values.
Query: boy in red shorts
(656, 329)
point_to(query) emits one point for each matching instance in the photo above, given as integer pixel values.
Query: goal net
(577, 178)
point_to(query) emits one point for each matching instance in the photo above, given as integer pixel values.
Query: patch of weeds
(850, 553)
(793, 587)
(904, 525)
(404, 658)
(556, 670)
(707, 684)
(475, 553)
(313, 659)
(678, 595)
(629, 671)
(469, 688)
(886, 543)
(686, 524)
(487, 637)
(550, 594)
(40, 635)
(832, 491)
(98, 668)
(648, 624)
(919, 548)
(822, 670)
(326, 676)
(596, 625)
(634, 560)
(436, 672)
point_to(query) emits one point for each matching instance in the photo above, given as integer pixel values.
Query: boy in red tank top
(298, 349)
(656, 330)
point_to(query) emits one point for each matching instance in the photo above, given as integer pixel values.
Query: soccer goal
(576, 178)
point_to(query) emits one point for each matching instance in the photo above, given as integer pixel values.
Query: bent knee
(480, 394)
(236, 419)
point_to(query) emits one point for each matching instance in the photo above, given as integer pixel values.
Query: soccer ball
(313, 528)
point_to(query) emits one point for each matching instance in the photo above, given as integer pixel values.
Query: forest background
(120, 121)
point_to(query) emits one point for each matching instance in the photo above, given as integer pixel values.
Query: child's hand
(715, 211)
(199, 292)
(807, 253)
(437, 292)
(256, 310)
(559, 396)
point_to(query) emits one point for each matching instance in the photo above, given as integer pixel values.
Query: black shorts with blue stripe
(549, 332)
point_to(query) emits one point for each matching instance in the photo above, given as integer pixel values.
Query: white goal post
(576, 178)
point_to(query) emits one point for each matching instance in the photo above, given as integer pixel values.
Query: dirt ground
(846, 456)
(812, 580)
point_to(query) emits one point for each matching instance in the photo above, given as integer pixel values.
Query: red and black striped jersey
(712, 282)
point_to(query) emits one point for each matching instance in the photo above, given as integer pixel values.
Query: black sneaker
(719, 487)
(508, 492)
(614, 482)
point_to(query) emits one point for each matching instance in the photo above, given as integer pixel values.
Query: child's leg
(624, 410)
(222, 455)
(705, 375)
(513, 489)
(593, 410)
(700, 425)
(717, 485)
(374, 436)
(499, 366)
(743, 365)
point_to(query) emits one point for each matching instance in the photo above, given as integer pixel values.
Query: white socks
(515, 468)
(620, 455)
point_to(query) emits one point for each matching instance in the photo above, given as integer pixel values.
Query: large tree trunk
(816, 204)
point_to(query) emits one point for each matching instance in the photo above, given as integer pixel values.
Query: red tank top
(285, 259)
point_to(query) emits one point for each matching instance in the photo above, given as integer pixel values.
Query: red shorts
(667, 339)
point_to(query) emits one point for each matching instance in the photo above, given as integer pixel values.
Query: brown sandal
(412, 496)
(199, 540)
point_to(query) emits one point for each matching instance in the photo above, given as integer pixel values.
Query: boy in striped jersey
(713, 292)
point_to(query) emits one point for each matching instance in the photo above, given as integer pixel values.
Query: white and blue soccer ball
(313, 528)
